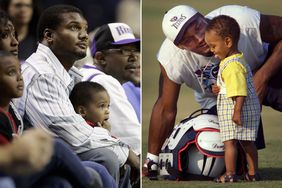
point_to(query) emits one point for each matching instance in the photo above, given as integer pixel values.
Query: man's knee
(110, 162)
(104, 157)
(273, 98)
(96, 180)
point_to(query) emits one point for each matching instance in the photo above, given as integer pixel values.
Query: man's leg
(273, 97)
(260, 143)
(97, 180)
(71, 167)
(7, 182)
(107, 179)
(104, 157)
(54, 182)
(65, 165)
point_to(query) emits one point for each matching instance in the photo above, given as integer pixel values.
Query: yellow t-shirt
(234, 76)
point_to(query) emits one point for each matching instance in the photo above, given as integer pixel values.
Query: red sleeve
(91, 124)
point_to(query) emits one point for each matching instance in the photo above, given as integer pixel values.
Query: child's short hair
(82, 92)
(225, 26)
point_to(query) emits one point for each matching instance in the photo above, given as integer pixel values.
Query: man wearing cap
(116, 53)
(185, 58)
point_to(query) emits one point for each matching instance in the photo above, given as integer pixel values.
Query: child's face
(8, 41)
(218, 45)
(11, 80)
(98, 108)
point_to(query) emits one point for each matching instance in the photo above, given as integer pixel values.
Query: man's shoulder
(168, 47)
(168, 52)
(244, 15)
(37, 64)
(106, 79)
(91, 72)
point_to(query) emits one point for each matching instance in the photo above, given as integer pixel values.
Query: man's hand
(30, 152)
(260, 85)
(215, 89)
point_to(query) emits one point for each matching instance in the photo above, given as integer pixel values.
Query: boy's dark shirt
(9, 124)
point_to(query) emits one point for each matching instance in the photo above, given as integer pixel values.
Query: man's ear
(48, 35)
(100, 59)
(82, 111)
(228, 42)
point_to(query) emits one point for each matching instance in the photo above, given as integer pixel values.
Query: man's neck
(65, 60)
(66, 64)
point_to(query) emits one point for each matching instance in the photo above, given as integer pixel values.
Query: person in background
(24, 15)
(95, 12)
(133, 90)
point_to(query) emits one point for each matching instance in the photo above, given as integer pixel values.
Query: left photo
(70, 93)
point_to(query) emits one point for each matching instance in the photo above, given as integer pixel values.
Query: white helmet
(194, 149)
(175, 22)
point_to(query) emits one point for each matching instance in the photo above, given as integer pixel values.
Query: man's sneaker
(150, 169)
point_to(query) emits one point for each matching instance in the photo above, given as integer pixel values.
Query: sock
(152, 157)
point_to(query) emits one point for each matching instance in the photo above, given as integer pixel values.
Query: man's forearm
(272, 65)
(161, 125)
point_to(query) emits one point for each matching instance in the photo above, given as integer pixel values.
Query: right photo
(211, 93)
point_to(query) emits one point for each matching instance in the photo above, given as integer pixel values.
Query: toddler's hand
(215, 89)
(106, 125)
(236, 118)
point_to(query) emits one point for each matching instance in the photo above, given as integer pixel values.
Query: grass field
(270, 159)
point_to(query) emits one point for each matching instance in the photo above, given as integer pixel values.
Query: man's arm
(271, 32)
(163, 113)
(48, 106)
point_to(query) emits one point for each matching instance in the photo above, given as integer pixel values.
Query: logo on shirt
(177, 21)
(207, 75)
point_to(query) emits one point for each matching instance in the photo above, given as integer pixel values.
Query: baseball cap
(175, 22)
(109, 35)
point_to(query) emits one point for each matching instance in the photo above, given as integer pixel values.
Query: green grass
(270, 159)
